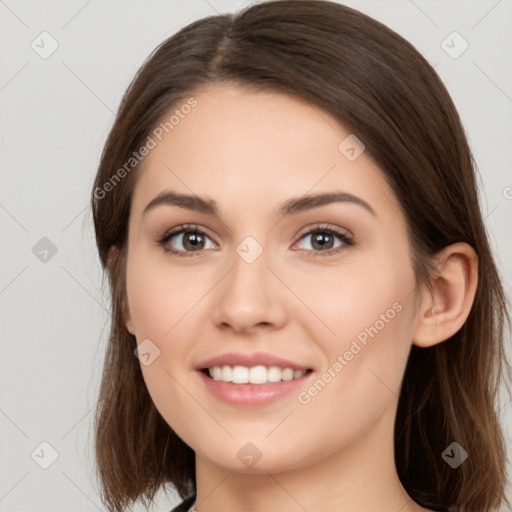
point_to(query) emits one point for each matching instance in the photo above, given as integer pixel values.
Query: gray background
(56, 113)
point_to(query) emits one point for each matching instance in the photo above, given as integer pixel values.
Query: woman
(241, 370)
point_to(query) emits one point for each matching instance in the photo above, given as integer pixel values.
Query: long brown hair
(380, 88)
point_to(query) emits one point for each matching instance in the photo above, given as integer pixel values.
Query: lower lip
(252, 394)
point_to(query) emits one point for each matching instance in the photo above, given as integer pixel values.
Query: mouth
(250, 379)
(255, 386)
(253, 375)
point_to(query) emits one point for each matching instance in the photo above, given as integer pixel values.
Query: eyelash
(324, 228)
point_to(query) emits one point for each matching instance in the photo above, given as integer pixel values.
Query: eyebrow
(290, 207)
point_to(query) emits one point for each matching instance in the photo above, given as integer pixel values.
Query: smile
(252, 386)
(255, 375)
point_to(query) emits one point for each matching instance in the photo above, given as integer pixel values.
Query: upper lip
(249, 360)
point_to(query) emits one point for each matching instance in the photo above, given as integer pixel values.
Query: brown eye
(186, 240)
(192, 240)
(323, 239)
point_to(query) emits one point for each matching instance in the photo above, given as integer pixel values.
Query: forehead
(247, 146)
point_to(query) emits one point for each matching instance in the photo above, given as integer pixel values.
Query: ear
(446, 307)
(113, 255)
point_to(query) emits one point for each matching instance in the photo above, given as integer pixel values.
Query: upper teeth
(254, 375)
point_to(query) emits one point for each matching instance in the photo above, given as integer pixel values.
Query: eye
(192, 240)
(323, 238)
(189, 236)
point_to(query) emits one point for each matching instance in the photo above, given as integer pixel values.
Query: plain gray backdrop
(65, 66)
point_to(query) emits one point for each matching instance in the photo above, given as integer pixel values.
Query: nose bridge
(249, 275)
(249, 294)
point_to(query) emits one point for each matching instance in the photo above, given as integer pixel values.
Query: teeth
(226, 373)
(253, 375)
(240, 375)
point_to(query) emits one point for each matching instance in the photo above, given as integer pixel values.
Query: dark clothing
(187, 503)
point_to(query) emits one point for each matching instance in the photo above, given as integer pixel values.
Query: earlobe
(446, 307)
(127, 317)
(113, 254)
(128, 323)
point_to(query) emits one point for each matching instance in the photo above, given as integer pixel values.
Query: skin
(250, 152)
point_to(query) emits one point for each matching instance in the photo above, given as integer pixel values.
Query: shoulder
(185, 504)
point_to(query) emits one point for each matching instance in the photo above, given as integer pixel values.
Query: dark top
(187, 503)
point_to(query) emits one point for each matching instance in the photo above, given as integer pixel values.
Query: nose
(251, 296)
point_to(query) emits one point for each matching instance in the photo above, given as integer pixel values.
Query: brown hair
(381, 89)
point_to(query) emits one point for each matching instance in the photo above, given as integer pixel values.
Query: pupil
(193, 238)
(322, 239)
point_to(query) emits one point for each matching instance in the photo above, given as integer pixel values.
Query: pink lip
(249, 360)
(250, 395)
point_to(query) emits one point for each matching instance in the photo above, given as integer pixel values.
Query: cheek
(161, 303)
(363, 292)
(156, 298)
(159, 312)
(368, 311)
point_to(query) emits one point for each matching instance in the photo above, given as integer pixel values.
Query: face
(326, 287)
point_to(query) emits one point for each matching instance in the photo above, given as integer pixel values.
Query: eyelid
(324, 226)
(186, 227)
